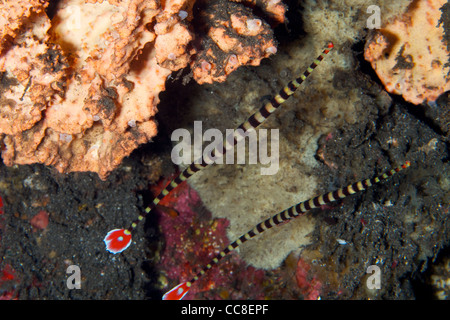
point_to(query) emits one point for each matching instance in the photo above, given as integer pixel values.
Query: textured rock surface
(410, 53)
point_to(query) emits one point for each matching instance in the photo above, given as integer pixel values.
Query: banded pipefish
(179, 291)
(118, 240)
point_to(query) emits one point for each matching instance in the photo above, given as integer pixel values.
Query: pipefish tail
(118, 240)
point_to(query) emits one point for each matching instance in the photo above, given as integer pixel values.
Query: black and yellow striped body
(296, 211)
(252, 123)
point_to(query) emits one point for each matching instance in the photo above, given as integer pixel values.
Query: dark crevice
(417, 111)
(293, 28)
(364, 65)
(51, 9)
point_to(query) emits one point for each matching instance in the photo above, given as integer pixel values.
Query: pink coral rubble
(307, 281)
(40, 220)
(192, 240)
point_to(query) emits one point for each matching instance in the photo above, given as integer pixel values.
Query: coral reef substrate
(80, 91)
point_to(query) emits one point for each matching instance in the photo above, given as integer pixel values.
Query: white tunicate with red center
(254, 24)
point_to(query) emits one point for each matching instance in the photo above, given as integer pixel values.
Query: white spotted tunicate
(65, 137)
(271, 50)
(182, 14)
(254, 24)
(206, 66)
(233, 60)
(171, 56)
